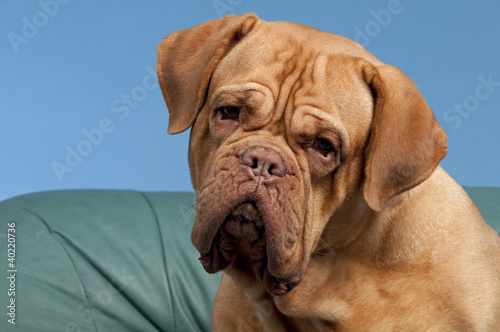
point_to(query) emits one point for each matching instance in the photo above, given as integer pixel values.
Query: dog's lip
(214, 261)
(279, 286)
(244, 224)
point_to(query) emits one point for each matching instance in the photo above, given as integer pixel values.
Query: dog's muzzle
(243, 237)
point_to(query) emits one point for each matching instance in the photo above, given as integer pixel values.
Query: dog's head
(295, 132)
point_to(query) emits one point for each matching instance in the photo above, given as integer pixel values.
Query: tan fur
(382, 238)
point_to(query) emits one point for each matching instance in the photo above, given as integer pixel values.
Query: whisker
(327, 250)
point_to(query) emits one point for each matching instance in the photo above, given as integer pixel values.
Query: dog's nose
(264, 161)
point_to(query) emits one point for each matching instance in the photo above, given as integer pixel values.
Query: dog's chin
(241, 242)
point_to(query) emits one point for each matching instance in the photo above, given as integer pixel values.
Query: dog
(319, 190)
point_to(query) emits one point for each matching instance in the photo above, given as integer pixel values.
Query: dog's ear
(186, 60)
(406, 142)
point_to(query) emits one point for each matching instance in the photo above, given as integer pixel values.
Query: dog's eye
(229, 113)
(323, 145)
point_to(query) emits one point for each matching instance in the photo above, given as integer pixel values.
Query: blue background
(75, 76)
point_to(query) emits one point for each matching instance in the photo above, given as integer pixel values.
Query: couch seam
(53, 234)
(164, 257)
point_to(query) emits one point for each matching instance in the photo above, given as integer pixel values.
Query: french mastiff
(319, 193)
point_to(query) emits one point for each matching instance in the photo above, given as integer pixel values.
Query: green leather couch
(102, 260)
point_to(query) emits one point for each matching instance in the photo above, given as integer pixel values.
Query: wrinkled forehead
(277, 48)
(287, 61)
(266, 57)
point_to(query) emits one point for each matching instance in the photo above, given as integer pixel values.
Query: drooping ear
(186, 60)
(406, 142)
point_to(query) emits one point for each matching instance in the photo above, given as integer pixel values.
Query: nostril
(270, 169)
(255, 163)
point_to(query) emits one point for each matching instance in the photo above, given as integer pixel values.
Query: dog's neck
(364, 226)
